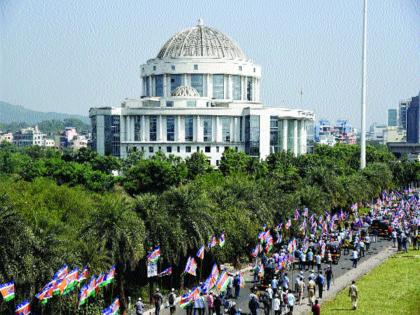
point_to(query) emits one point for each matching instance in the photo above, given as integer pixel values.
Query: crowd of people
(298, 271)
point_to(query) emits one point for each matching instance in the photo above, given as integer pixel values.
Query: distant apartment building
(341, 132)
(6, 137)
(413, 121)
(392, 117)
(32, 136)
(70, 138)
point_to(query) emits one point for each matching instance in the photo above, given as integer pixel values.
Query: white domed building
(200, 93)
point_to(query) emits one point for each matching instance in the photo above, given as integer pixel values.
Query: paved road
(343, 266)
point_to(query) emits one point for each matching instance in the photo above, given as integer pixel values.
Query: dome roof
(185, 91)
(201, 41)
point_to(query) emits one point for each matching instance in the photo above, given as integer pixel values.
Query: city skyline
(91, 54)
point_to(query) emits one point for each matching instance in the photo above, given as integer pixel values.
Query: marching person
(329, 275)
(139, 307)
(158, 299)
(316, 309)
(353, 294)
(354, 257)
(291, 302)
(276, 305)
(320, 281)
(210, 303)
(311, 291)
(301, 289)
(171, 301)
(218, 302)
(253, 304)
(237, 285)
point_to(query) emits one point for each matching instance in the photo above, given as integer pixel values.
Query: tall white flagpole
(363, 114)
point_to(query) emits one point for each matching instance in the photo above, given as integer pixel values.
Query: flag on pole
(222, 282)
(153, 257)
(189, 298)
(288, 224)
(297, 214)
(84, 274)
(256, 251)
(211, 280)
(100, 281)
(23, 308)
(191, 266)
(7, 291)
(83, 295)
(71, 281)
(109, 277)
(269, 244)
(46, 292)
(222, 239)
(61, 273)
(200, 253)
(305, 212)
(92, 287)
(166, 272)
(213, 242)
(113, 309)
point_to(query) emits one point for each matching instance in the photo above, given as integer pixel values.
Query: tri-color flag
(7, 291)
(256, 251)
(213, 242)
(222, 282)
(23, 308)
(211, 280)
(70, 281)
(200, 253)
(113, 309)
(84, 274)
(297, 214)
(269, 243)
(222, 239)
(189, 298)
(61, 273)
(153, 257)
(166, 272)
(191, 266)
(109, 277)
(83, 295)
(92, 287)
(288, 224)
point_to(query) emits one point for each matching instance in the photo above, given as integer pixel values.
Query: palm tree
(119, 228)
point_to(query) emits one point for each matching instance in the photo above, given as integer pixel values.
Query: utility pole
(363, 114)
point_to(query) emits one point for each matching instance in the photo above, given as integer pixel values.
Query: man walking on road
(311, 291)
(320, 281)
(139, 307)
(355, 257)
(158, 299)
(316, 309)
(171, 301)
(353, 294)
(329, 276)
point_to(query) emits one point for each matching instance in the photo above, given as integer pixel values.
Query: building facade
(32, 136)
(341, 132)
(392, 117)
(402, 108)
(413, 121)
(201, 93)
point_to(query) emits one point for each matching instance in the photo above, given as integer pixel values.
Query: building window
(169, 104)
(236, 149)
(152, 128)
(176, 80)
(154, 68)
(169, 149)
(249, 89)
(207, 149)
(217, 162)
(276, 134)
(173, 67)
(151, 149)
(188, 149)
(237, 87)
(252, 135)
(195, 67)
(226, 148)
(254, 69)
(217, 149)
(226, 129)
(197, 83)
(207, 128)
(198, 149)
(147, 86)
(170, 128)
(218, 86)
(137, 128)
(178, 149)
(290, 134)
(159, 85)
(191, 104)
(160, 149)
(189, 128)
(240, 68)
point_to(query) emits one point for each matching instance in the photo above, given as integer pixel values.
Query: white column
(295, 137)
(150, 85)
(230, 94)
(128, 122)
(209, 86)
(178, 128)
(160, 128)
(243, 87)
(218, 130)
(132, 128)
(122, 129)
(303, 137)
(197, 130)
(143, 128)
(285, 131)
(165, 85)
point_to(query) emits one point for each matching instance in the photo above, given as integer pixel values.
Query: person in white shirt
(276, 305)
(291, 302)
(355, 257)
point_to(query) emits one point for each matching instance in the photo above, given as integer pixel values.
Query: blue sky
(69, 56)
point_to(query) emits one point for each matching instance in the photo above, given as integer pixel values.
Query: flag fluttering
(153, 257)
(222, 282)
(191, 266)
(222, 239)
(7, 291)
(23, 308)
(113, 309)
(166, 272)
(213, 242)
(200, 253)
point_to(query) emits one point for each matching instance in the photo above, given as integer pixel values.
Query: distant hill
(10, 113)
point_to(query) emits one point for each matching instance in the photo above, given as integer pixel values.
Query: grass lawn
(391, 288)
